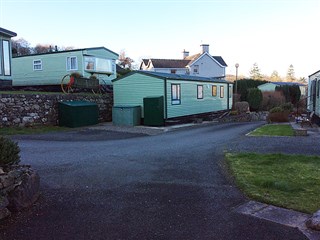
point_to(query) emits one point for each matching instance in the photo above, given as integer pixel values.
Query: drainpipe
(165, 99)
(228, 91)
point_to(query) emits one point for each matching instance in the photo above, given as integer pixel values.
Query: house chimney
(185, 54)
(204, 48)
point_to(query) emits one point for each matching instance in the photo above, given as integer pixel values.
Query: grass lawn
(273, 130)
(31, 130)
(290, 181)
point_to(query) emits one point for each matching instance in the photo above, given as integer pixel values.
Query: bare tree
(21, 47)
(275, 76)
(40, 48)
(124, 61)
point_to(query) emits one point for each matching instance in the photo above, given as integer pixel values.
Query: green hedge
(9, 152)
(254, 98)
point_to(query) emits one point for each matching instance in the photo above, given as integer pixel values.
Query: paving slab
(279, 215)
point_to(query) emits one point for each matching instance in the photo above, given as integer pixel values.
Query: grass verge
(273, 130)
(290, 181)
(31, 130)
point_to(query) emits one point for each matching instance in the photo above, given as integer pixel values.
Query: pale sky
(271, 33)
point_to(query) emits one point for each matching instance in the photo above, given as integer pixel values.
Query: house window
(199, 91)
(221, 91)
(72, 63)
(173, 71)
(214, 90)
(175, 94)
(6, 57)
(196, 69)
(37, 65)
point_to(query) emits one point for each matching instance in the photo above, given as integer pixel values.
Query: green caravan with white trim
(183, 95)
(5, 57)
(49, 68)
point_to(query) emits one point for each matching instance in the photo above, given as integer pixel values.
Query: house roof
(145, 61)
(72, 50)
(314, 73)
(180, 63)
(175, 77)
(7, 33)
(169, 63)
(288, 83)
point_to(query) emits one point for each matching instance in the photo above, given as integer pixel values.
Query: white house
(202, 64)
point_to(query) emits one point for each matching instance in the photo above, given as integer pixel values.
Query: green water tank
(126, 115)
(78, 113)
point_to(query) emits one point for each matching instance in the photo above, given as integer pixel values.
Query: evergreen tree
(255, 72)
(291, 74)
(275, 76)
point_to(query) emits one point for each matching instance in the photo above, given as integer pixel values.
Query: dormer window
(196, 69)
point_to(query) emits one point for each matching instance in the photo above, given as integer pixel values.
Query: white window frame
(37, 63)
(175, 94)
(199, 91)
(221, 91)
(69, 63)
(6, 57)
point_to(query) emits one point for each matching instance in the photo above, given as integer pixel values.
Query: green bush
(244, 85)
(292, 93)
(276, 109)
(9, 152)
(287, 106)
(254, 98)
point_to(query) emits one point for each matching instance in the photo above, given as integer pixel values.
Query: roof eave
(7, 33)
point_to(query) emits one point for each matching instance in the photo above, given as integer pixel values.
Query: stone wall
(19, 188)
(42, 109)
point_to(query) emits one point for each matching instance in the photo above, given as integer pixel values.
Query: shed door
(153, 110)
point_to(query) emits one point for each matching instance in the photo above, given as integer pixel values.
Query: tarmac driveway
(168, 186)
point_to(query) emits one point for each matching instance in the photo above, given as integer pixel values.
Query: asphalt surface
(169, 186)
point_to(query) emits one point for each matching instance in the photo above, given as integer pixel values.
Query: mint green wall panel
(130, 90)
(101, 52)
(190, 104)
(267, 87)
(54, 67)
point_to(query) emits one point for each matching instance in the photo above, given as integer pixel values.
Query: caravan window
(199, 91)
(221, 91)
(214, 90)
(6, 57)
(72, 63)
(37, 65)
(175, 94)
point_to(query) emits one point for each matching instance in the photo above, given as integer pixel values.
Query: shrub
(9, 152)
(276, 109)
(244, 85)
(271, 99)
(278, 117)
(292, 93)
(254, 98)
(241, 107)
(287, 107)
